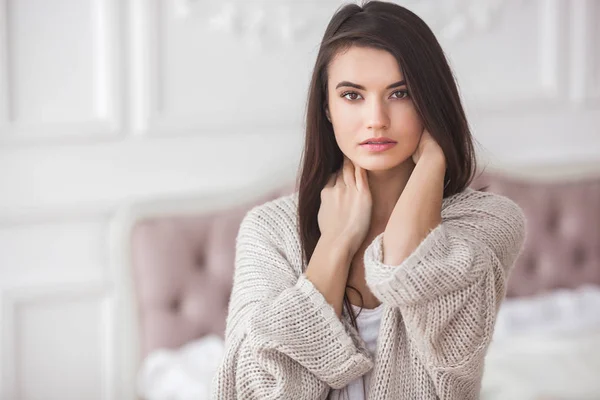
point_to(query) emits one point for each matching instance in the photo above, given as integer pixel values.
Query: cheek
(346, 125)
(410, 127)
(345, 140)
(345, 116)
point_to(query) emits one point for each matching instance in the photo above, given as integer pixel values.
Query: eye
(350, 94)
(401, 94)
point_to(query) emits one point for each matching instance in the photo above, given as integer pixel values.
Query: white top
(368, 327)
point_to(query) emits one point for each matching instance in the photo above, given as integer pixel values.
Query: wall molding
(107, 87)
(4, 72)
(584, 53)
(143, 61)
(290, 20)
(148, 115)
(15, 298)
(547, 94)
(553, 49)
(594, 32)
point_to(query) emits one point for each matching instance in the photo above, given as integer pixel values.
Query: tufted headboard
(173, 263)
(177, 259)
(562, 246)
(182, 266)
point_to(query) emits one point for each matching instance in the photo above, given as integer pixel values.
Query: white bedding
(181, 374)
(565, 367)
(544, 348)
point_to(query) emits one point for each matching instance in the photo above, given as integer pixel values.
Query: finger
(364, 179)
(358, 177)
(348, 172)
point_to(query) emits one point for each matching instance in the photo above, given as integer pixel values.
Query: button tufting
(175, 304)
(579, 257)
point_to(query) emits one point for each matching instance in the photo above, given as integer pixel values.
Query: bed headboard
(562, 246)
(173, 263)
(177, 256)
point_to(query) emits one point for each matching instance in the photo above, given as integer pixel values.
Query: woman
(383, 223)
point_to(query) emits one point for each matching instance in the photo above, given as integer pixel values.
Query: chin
(381, 163)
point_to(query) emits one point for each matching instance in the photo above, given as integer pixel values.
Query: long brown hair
(431, 85)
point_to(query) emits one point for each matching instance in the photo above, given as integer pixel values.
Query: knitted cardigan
(284, 341)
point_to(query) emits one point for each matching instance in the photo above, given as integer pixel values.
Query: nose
(377, 115)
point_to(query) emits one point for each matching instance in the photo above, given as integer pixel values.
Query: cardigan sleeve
(450, 287)
(282, 340)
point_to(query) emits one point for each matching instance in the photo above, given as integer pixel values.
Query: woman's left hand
(427, 145)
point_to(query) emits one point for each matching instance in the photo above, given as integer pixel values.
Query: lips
(380, 140)
(378, 147)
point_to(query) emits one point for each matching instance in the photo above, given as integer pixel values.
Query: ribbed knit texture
(284, 341)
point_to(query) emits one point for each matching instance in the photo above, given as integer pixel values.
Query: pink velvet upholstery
(562, 248)
(183, 274)
(183, 265)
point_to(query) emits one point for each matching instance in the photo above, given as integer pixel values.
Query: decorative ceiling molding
(288, 21)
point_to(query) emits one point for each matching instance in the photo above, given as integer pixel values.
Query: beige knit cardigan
(284, 341)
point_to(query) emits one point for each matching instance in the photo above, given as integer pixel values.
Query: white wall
(106, 102)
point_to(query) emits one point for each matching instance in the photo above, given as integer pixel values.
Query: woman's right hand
(345, 213)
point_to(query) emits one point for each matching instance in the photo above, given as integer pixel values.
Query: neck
(386, 188)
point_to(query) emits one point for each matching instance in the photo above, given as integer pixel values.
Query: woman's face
(367, 98)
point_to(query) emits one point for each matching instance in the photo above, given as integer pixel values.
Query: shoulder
(488, 218)
(273, 227)
(483, 205)
(275, 220)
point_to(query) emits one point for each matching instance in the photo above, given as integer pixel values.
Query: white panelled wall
(107, 102)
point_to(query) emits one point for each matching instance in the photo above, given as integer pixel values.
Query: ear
(327, 113)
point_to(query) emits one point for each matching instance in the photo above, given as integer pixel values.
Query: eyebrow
(357, 86)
